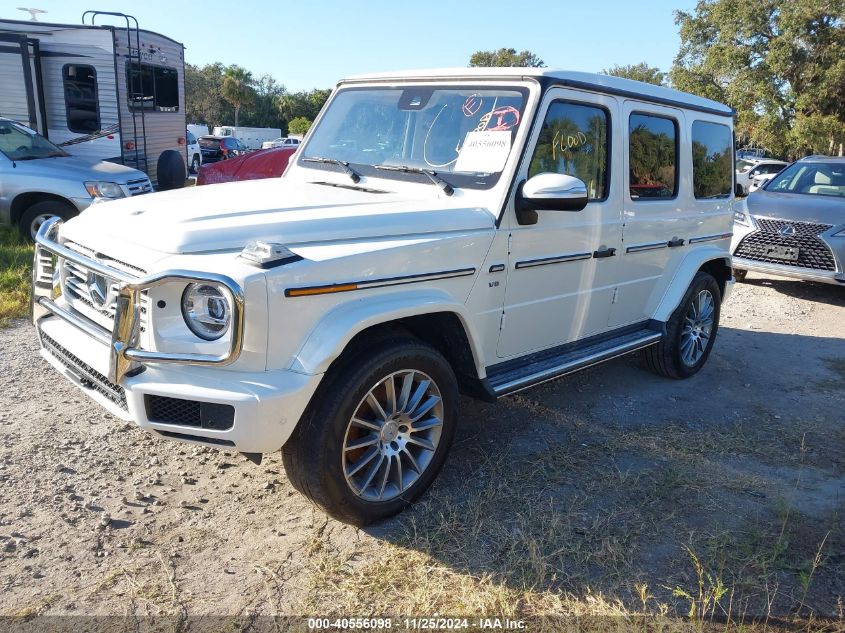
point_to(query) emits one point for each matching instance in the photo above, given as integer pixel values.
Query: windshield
(818, 179)
(20, 143)
(465, 134)
(744, 165)
(210, 143)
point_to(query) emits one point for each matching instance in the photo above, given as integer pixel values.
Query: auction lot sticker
(484, 152)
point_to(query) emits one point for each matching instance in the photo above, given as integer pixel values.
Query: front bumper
(807, 274)
(266, 405)
(260, 409)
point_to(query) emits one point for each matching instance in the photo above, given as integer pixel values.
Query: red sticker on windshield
(504, 118)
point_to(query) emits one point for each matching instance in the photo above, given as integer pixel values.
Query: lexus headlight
(206, 310)
(741, 218)
(104, 190)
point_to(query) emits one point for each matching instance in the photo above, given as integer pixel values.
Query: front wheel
(377, 431)
(690, 331)
(40, 212)
(195, 164)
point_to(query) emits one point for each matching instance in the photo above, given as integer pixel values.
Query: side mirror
(549, 192)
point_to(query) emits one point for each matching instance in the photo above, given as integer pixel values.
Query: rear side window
(712, 160)
(80, 84)
(652, 157)
(574, 141)
(152, 87)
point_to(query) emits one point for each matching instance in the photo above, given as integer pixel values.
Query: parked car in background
(284, 141)
(759, 181)
(747, 169)
(265, 163)
(338, 312)
(795, 225)
(39, 180)
(215, 148)
(198, 130)
(252, 137)
(194, 153)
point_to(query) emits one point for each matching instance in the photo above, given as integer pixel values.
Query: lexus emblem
(787, 230)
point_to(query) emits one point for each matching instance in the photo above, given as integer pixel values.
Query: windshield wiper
(432, 175)
(354, 175)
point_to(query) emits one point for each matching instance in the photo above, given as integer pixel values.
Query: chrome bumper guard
(124, 355)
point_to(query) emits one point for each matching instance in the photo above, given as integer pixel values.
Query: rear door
(19, 96)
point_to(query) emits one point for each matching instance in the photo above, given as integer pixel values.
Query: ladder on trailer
(135, 88)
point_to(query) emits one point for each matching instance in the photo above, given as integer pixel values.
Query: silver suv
(39, 180)
(795, 225)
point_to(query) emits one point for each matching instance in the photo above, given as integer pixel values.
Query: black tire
(740, 274)
(665, 358)
(170, 170)
(195, 164)
(35, 215)
(313, 457)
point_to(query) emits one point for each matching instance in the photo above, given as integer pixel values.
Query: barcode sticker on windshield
(484, 152)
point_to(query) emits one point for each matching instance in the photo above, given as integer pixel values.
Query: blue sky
(314, 44)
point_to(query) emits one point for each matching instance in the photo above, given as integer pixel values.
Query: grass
(15, 264)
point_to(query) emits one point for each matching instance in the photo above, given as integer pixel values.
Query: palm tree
(237, 88)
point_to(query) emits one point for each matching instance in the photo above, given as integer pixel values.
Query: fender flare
(691, 264)
(333, 332)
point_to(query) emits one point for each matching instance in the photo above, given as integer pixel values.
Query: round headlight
(206, 311)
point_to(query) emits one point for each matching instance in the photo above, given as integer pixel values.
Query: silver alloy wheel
(393, 435)
(697, 328)
(36, 223)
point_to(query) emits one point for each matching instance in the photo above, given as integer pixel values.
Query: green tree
(299, 126)
(505, 57)
(638, 72)
(779, 63)
(262, 112)
(302, 104)
(237, 88)
(204, 102)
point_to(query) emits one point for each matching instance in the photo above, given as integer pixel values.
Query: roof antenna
(32, 13)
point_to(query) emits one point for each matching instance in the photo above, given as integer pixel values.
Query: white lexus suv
(472, 231)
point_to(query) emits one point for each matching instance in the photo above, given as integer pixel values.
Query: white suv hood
(227, 216)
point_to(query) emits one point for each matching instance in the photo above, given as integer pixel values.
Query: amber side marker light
(320, 290)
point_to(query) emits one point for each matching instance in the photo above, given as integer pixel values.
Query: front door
(561, 277)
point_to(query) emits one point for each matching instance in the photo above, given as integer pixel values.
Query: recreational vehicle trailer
(99, 91)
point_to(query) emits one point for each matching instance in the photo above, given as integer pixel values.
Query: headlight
(741, 218)
(104, 190)
(206, 310)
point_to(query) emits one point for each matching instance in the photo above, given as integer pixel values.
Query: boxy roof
(574, 79)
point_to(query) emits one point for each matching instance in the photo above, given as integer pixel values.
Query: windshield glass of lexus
(20, 143)
(464, 134)
(818, 179)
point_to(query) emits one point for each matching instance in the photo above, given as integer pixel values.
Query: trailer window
(80, 84)
(152, 87)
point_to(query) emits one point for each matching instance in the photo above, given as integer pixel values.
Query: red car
(265, 163)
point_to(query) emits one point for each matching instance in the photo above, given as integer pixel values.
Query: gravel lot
(570, 496)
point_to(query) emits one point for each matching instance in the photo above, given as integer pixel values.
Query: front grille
(201, 415)
(137, 187)
(89, 376)
(79, 285)
(813, 253)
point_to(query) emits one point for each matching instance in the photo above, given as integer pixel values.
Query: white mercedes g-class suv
(472, 230)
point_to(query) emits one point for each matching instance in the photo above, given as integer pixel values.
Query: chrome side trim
(123, 339)
(559, 259)
(532, 380)
(349, 286)
(653, 246)
(710, 238)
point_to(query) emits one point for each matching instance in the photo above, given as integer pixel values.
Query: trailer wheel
(170, 170)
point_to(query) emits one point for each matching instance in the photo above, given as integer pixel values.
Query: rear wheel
(40, 212)
(377, 432)
(690, 331)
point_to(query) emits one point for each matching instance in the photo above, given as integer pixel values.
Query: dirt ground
(608, 492)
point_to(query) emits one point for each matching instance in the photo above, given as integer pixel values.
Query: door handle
(675, 242)
(605, 252)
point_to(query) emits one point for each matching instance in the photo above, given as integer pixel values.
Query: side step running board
(522, 373)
